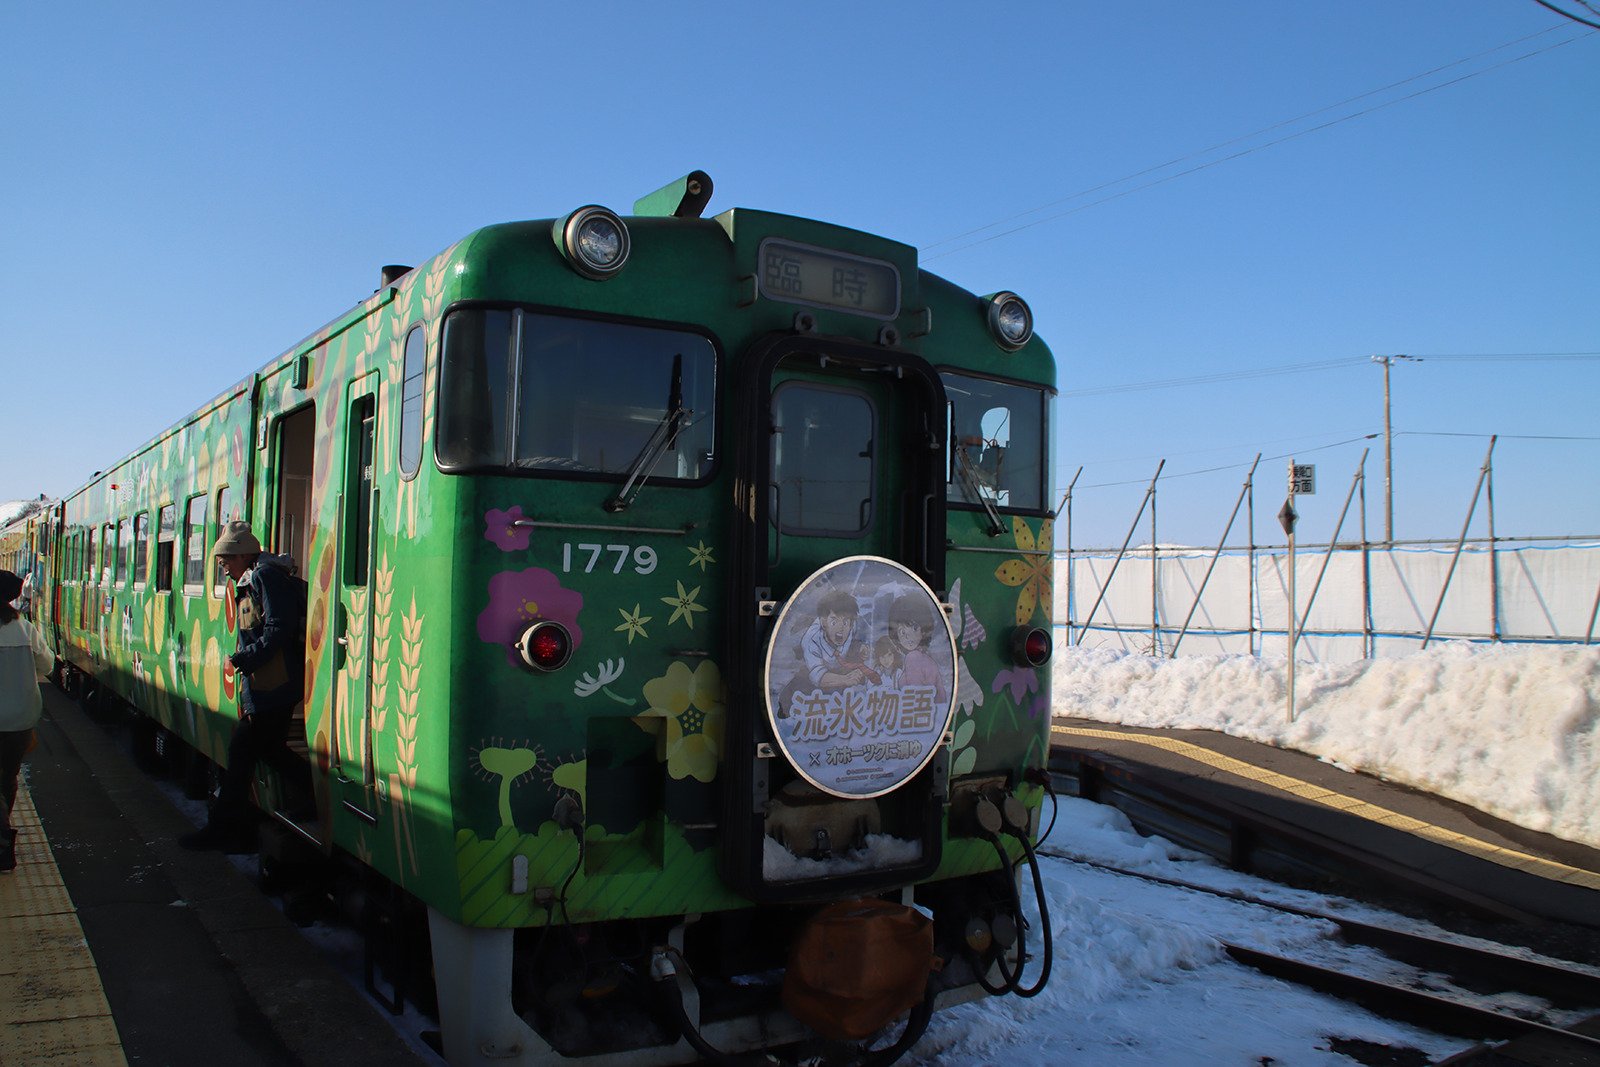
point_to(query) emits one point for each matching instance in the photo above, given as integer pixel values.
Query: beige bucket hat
(236, 540)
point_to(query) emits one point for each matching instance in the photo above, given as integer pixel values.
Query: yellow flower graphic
(633, 624)
(692, 705)
(1034, 573)
(683, 605)
(700, 555)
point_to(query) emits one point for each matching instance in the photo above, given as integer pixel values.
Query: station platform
(117, 947)
(1244, 793)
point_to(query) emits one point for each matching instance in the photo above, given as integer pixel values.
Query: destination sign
(818, 277)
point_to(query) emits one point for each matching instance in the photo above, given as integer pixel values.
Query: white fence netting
(1374, 603)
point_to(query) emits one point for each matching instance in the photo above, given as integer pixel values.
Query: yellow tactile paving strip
(1558, 872)
(53, 1011)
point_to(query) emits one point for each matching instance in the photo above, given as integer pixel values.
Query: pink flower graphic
(1023, 680)
(517, 598)
(972, 631)
(503, 531)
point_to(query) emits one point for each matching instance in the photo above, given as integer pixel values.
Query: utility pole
(1388, 450)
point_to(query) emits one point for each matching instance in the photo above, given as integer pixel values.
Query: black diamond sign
(1287, 517)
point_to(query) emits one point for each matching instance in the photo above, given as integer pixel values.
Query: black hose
(916, 1026)
(692, 1035)
(1044, 921)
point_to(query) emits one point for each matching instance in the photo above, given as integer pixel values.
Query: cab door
(356, 516)
(840, 454)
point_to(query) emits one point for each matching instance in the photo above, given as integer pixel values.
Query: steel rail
(1410, 1005)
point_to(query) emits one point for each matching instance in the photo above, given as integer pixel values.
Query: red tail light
(1031, 646)
(545, 646)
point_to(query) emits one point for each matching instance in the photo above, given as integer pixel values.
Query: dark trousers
(261, 736)
(12, 745)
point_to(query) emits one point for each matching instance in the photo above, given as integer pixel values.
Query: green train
(677, 635)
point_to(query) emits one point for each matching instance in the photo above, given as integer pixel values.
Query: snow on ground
(1140, 976)
(1511, 730)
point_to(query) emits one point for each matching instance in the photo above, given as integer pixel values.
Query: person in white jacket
(24, 661)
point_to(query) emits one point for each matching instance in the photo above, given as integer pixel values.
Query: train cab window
(823, 459)
(194, 546)
(166, 540)
(124, 551)
(997, 443)
(141, 549)
(411, 401)
(548, 393)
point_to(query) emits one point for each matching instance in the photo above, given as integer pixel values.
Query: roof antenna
(685, 198)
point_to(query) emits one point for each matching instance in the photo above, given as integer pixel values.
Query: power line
(1568, 14)
(1225, 376)
(1225, 159)
(1326, 364)
(1236, 140)
(1233, 466)
(1501, 436)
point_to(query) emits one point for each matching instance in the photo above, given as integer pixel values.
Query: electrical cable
(1248, 151)
(1568, 14)
(1236, 140)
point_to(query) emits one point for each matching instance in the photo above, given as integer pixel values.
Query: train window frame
(361, 439)
(123, 554)
(219, 577)
(108, 549)
(166, 535)
(955, 495)
(191, 531)
(411, 420)
(141, 551)
(711, 468)
(874, 468)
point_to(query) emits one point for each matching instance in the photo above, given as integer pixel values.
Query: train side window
(88, 563)
(194, 546)
(107, 536)
(166, 542)
(123, 552)
(823, 460)
(219, 577)
(411, 401)
(358, 490)
(141, 549)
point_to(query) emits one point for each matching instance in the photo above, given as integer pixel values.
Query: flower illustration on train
(517, 598)
(693, 705)
(503, 530)
(1022, 681)
(1033, 572)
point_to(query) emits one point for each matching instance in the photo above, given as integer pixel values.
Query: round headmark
(860, 677)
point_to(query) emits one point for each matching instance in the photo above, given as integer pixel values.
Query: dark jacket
(271, 659)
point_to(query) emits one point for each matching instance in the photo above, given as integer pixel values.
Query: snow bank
(1512, 731)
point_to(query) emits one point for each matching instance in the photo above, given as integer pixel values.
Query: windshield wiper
(975, 484)
(662, 440)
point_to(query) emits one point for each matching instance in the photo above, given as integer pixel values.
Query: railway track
(1450, 975)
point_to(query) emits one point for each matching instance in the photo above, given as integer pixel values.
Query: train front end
(748, 629)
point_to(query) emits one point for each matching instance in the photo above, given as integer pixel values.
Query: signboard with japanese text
(1302, 479)
(859, 677)
(820, 277)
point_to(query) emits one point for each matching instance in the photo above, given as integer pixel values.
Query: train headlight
(594, 240)
(1031, 646)
(1010, 321)
(545, 646)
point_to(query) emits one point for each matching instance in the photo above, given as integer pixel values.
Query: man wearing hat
(270, 663)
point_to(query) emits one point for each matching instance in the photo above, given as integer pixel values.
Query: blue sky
(192, 188)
